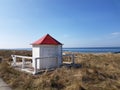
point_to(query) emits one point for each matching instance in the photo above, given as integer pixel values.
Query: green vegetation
(91, 72)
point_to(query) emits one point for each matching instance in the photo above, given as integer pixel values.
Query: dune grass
(61, 78)
(96, 72)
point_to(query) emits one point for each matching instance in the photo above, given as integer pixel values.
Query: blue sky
(75, 23)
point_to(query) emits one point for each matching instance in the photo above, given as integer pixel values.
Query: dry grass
(6, 54)
(100, 71)
(96, 72)
(62, 78)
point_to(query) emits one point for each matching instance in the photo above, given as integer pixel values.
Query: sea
(94, 49)
(85, 49)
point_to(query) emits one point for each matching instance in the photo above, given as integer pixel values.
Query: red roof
(46, 40)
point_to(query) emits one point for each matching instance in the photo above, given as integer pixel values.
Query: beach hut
(48, 51)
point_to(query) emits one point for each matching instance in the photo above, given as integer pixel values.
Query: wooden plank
(27, 57)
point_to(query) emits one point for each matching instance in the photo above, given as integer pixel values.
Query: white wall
(54, 52)
(48, 51)
(36, 53)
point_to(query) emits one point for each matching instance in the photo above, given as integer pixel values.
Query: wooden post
(35, 68)
(23, 63)
(1, 59)
(72, 58)
(14, 60)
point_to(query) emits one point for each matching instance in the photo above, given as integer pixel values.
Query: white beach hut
(49, 52)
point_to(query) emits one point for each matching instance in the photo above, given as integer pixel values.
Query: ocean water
(85, 49)
(94, 50)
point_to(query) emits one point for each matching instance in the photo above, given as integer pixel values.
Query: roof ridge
(47, 40)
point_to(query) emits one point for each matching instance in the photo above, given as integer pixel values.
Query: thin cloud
(65, 35)
(116, 33)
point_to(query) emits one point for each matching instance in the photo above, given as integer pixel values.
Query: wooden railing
(71, 56)
(35, 59)
(27, 57)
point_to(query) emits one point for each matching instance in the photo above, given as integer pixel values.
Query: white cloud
(116, 33)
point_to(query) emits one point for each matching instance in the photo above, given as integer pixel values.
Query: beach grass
(90, 72)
